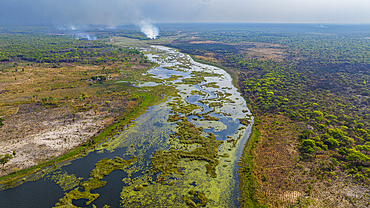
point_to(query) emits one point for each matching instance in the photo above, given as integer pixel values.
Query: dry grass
(207, 57)
(49, 111)
(43, 78)
(285, 180)
(39, 131)
(266, 53)
(275, 160)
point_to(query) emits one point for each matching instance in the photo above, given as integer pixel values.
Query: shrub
(331, 142)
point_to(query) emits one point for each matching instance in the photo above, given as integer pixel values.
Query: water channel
(182, 152)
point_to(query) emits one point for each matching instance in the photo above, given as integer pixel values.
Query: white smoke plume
(78, 31)
(85, 36)
(148, 29)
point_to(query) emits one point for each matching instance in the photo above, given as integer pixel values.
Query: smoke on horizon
(148, 29)
(77, 31)
(77, 16)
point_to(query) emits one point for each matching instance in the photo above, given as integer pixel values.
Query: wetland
(181, 152)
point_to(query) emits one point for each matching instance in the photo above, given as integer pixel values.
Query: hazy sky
(116, 12)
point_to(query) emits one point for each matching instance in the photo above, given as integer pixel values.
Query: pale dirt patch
(341, 192)
(36, 140)
(291, 196)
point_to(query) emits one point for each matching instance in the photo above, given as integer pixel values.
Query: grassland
(54, 111)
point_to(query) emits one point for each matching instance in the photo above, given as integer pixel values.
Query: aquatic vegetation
(193, 80)
(198, 77)
(216, 104)
(194, 156)
(195, 196)
(167, 161)
(205, 102)
(169, 67)
(138, 187)
(180, 106)
(175, 117)
(173, 77)
(209, 118)
(205, 74)
(244, 121)
(103, 167)
(211, 84)
(241, 128)
(147, 78)
(64, 180)
(198, 92)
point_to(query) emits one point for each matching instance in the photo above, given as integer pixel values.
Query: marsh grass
(103, 168)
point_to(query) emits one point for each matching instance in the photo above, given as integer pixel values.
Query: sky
(118, 12)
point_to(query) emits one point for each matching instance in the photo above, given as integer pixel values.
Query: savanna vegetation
(64, 89)
(310, 97)
(309, 93)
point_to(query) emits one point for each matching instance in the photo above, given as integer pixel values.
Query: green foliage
(99, 77)
(336, 133)
(308, 145)
(264, 178)
(306, 134)
(322, 82)
(331, 142)
(42, 48)
(343, 151)
(5, 159)
(357, 156)
(317, 113)
(248, 180)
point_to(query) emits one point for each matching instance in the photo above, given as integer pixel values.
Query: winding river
(182, 152)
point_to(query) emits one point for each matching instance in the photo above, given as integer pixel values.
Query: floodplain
(186, 148)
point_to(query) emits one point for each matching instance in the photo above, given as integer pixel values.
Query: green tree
(343, 151)
(357, 156)
(331, 142)
(4, 159)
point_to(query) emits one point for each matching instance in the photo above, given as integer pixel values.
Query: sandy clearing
(56, 137)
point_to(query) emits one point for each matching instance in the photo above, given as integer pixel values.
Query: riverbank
(174, 158)
(269, 161)
(51, 112)
(258, 184)
(232, 73)
(148, 99)
(248, 182)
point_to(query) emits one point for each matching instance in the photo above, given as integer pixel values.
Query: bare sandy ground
(41, 134)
